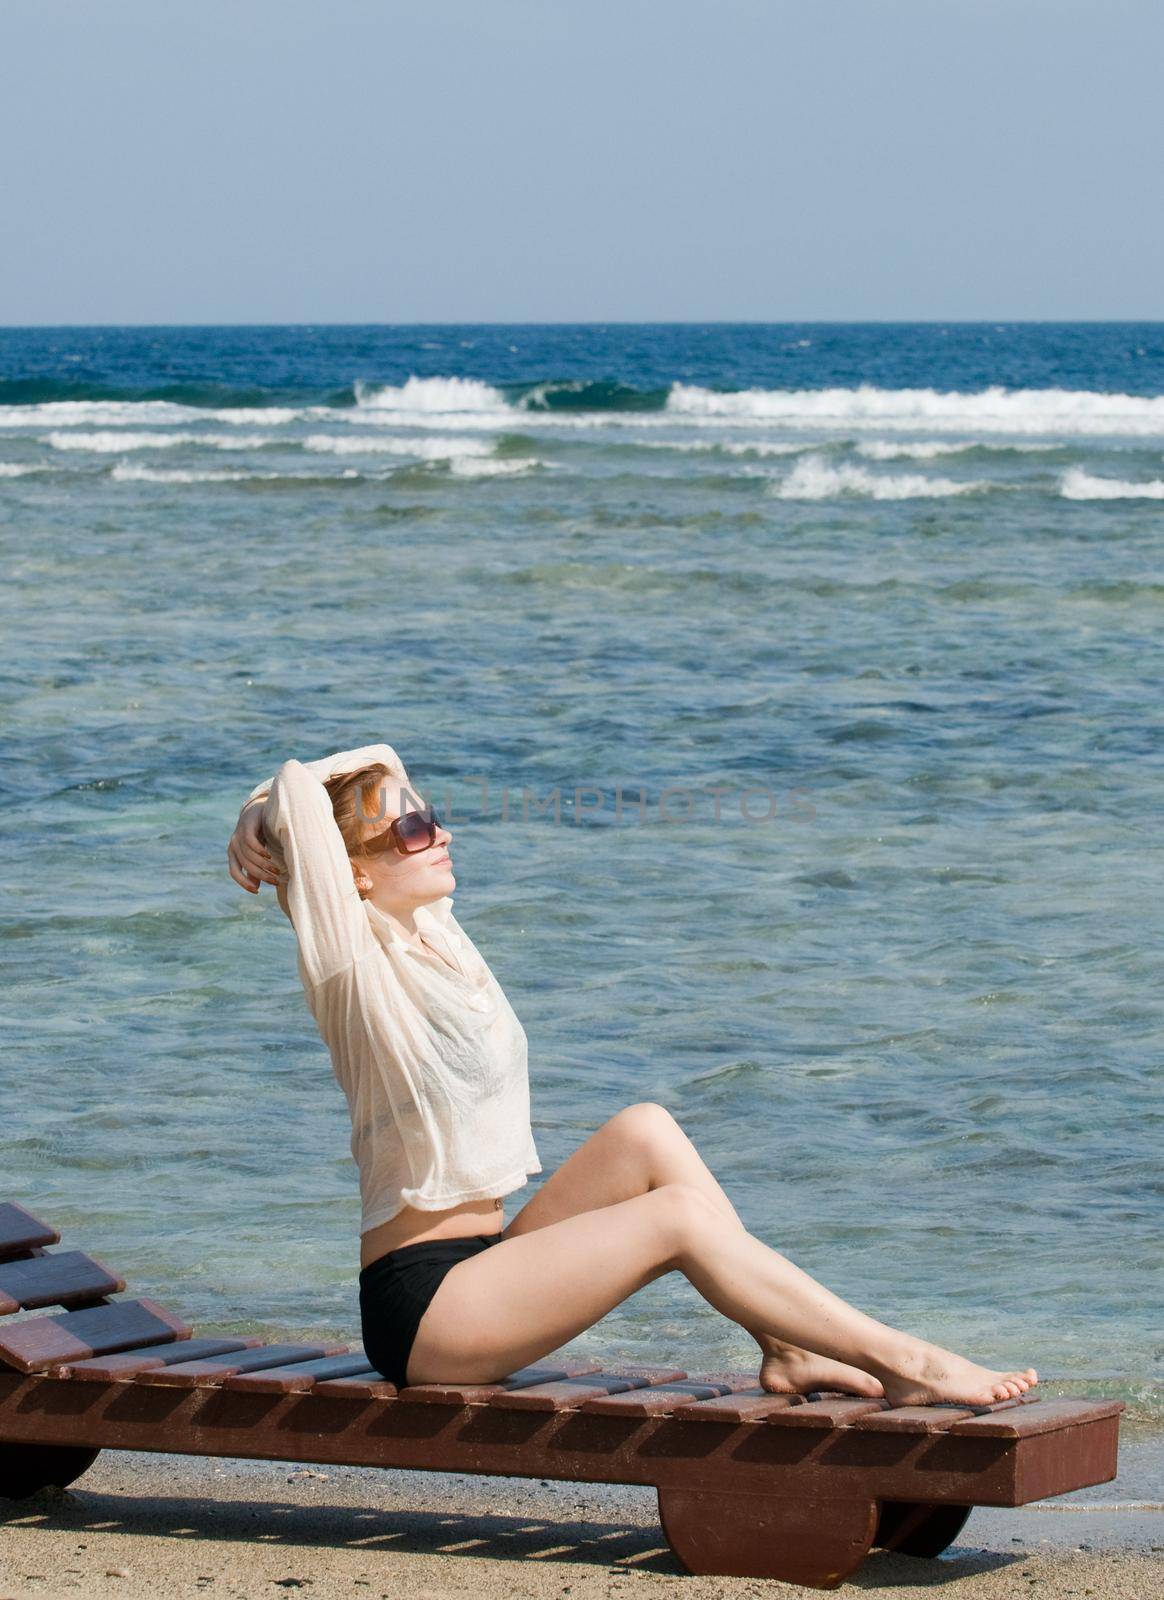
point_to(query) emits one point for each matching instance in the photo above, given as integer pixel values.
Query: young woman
(433, 1063)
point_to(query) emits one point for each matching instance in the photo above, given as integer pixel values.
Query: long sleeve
(330, 766)
(326, 912)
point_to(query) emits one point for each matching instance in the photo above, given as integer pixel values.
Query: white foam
(491, 467)
(97, 414)
(131, 472)
(16, 469)
(931, 449)
(918, 450)
(263, 416)
(1079, 485)
(428, 395)
(815, 479)
(993, 410)
(431, 448)
(112, 441)
(731, 447)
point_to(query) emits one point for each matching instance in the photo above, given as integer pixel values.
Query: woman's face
(399, 882)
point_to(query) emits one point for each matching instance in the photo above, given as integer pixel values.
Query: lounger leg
(813, 1541)
(916, 1529)
(25, 1468)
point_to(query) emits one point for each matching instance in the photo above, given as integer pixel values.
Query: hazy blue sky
(607, 160)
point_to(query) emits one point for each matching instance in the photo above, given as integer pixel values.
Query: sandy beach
(138, 1525)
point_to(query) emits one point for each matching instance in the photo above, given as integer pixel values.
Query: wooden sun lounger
(749, 1484)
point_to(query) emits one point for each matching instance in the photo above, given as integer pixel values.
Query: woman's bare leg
(642, 1148)
(529, 1294)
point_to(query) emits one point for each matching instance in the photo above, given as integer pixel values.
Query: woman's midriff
(410, 1226)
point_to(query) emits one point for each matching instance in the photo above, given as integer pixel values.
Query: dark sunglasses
(415, 830)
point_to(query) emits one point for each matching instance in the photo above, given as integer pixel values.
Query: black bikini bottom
(395, 1291)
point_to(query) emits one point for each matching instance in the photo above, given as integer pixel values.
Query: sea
(793, 693)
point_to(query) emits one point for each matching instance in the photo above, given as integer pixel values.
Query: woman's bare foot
(923, 1374)
(786, 1369)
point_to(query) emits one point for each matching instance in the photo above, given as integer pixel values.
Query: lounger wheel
(25, 1468)
(812, 1540)
(913, 1528)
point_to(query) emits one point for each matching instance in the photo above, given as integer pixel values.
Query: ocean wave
(492, 467)
(96, 414)
(432, 448)
(815, 479)
(132, 472)
(424, 396)
(758, 448)
(917, 450)
(151, 413)
(589, 394)
(264, 416)
(112, 441)
(931, 449)
(18, 469)
(993, 410)
(1079, 485)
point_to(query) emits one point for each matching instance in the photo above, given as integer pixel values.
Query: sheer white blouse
(428, 1051)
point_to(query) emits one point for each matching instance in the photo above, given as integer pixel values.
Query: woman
(433, 1063)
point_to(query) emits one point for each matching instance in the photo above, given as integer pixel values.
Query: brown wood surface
(755, 1457)
(1031, 1415)
(809, 1539)
(444, 1394)
(569, 1394)
(837, 1413)
(911, 1419)
(373, 1387)
(301, 1376)
(214, 1370)
(62, 1278)
(126, 1365)
(21, 1231)
(746, 1405)
(662, 1398)
(41, 1342)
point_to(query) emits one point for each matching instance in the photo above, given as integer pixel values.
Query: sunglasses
(415, 830)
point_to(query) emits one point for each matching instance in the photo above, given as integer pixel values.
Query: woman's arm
(322, 901)
(248, 859)
(330, 766)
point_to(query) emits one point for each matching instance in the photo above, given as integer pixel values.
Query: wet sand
(148, 1525)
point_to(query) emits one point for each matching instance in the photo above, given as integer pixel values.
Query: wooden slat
(373, 1387)
(67, 1278)
(662, 1399)
(42, 1342)
(568, 1394)
(912, 1419)
(1032, 1414)
(300, 1377)
(476, 1394)
(753, 1404)
(121, 1368)
(20, 1230)
(839, 1411)
(215, 1370)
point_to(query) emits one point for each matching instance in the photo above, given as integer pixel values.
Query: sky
(596, 161)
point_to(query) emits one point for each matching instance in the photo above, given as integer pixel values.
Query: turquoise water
(903, 584)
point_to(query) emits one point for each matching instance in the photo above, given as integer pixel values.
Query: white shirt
(433, 1061)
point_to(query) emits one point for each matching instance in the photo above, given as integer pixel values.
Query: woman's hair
(356, 800)
(351, 793)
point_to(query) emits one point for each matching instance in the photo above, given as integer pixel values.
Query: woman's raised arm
(331, 766)
(248, 859)
(326, 912)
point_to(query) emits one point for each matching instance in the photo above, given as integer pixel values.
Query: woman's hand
(247, 855)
